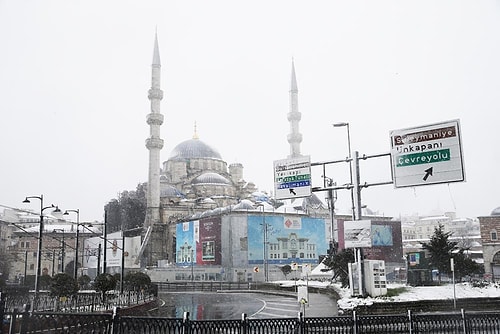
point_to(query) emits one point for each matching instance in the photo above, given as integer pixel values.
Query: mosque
(195, 180)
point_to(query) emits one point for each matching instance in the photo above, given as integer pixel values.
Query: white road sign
(427, 154)
(358, 233)
(292, 178)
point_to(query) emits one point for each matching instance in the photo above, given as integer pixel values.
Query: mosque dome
(496, 212)
(194, 148)
(244, 205)
(166, 190)
(210, 178)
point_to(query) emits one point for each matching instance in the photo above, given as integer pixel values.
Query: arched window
(496, 258)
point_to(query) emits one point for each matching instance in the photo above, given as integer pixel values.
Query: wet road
(213, 306)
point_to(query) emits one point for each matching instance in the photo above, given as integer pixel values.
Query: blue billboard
(286, 239)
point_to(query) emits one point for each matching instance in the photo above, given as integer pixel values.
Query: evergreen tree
(84, 282)
(440, 249)
(128, 210)
(137, 281)
(464, 266)
(339, 263)
(104, 283)
(286, 270)
(63, 285)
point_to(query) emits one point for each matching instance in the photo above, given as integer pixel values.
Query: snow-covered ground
(446, 291)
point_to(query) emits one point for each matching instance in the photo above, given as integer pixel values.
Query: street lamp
(332, 197)
(356, 202)
(265, 248)
(62, 248)
(192, 266)
(77, 211)
(349, 158)
(40, 235)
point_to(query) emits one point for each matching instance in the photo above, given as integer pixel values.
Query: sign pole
(357, 211)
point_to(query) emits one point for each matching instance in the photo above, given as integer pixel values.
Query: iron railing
(117, 323)
(81, 302)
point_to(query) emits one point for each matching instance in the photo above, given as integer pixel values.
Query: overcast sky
(74, 77)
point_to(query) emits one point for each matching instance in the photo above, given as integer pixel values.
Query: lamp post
(63, 244)
(264, 249)
(77, 211)
(332, 197)
(40, 235)
(53, 262)
(25, 267)
(105, 237)
(355, 200)
(192, 266)
(266, 265)
(349, 158)
(122, 269)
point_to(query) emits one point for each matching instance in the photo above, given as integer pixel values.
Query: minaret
(154, 143)
(294, 137)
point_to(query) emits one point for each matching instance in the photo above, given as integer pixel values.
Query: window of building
(494, 235)
(32, 266)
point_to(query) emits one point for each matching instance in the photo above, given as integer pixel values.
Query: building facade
(59, 239)
(490, 227)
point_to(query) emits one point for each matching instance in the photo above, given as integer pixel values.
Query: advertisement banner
(357, 234)
(286, 240)
(185, 244)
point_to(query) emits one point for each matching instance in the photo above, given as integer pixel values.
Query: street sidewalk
(320, 305)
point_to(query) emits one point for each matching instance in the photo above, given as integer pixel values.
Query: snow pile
(461, 290)
(411, 293)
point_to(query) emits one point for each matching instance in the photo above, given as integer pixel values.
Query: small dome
(210, 178)
(167, 190)
(193, 148)
(495, 212)
(305, 202)
(244, 205)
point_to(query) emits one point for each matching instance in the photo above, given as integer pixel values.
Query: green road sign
(427, 154)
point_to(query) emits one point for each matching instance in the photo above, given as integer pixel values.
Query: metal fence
(207, 286)
(116, 323)
(81, 302)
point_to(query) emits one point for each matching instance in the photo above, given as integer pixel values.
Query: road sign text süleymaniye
(292, 177)
(427, 154)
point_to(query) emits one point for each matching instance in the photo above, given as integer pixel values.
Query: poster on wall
(381, 239)
(114, 249)
(199, 242)
(208, 245)
(286, 239)
(91, 252)
(132, 247)
(357, 234)
(382, 235)
(185, 247)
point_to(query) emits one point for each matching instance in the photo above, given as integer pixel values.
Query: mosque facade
(212, 224)
(195, 178)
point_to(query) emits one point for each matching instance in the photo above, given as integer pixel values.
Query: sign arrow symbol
(292, 192)
(428, 172)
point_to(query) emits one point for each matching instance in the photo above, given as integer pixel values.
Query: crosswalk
(277, 308)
